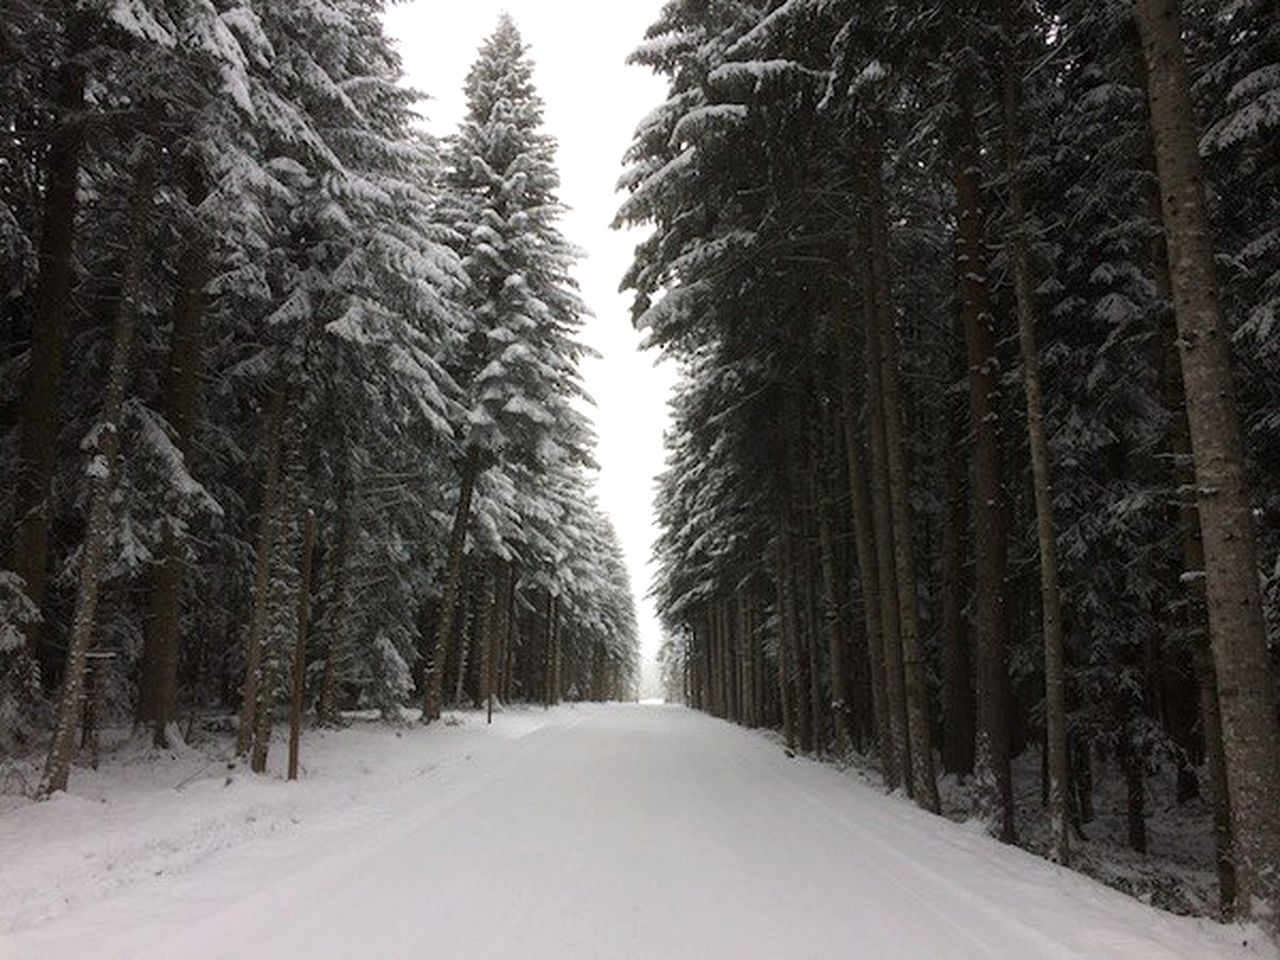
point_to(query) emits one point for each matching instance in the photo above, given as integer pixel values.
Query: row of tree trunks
(1236, 705)
(727, 676)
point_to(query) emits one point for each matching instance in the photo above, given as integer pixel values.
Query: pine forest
(970, 499)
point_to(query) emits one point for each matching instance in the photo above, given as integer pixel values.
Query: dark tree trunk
(39, 427)
(300, 646)
(1055, 711)
(1133, 765)
(103, 464)
(886, 568)
(794, 703)
(158, 688)
(1246, 696)
(467, 632)
(548, 645)
(865, 546)
(924, 786)
(452, 582)
(798, 652)
(995, 784)
(268, 532)
(495, 597)
(327, 704)
(1192, 611)
(957, 661)
(840, 712)
(813, 649)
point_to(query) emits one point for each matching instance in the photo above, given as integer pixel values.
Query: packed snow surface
(634, 831)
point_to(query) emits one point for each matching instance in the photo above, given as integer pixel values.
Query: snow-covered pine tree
(517, 360)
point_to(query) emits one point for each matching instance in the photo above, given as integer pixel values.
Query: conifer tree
(517, 356)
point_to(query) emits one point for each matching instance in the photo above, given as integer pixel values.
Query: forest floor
(595, 832)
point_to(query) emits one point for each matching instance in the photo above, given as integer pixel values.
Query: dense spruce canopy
(974, 445)
(246, 297)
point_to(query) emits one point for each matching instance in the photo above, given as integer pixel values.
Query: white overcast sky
(593, 103)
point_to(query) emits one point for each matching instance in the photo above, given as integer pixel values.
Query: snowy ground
(593, 832)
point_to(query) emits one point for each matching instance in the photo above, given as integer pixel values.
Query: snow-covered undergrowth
(620, 831)
(147, 813)
(1176, 873)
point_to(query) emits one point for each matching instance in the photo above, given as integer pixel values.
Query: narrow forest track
(627, 832)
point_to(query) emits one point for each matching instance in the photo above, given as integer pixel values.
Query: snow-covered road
(621, 832)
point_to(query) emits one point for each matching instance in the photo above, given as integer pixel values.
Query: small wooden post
(300, 649)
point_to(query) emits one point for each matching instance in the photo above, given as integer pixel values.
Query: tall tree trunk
(269, 686)
(957, 660)
(995, 783)
(510, 627)
(794, 718)
(809, 724)
(556, 620)
(452, 581)
(840, 712)
(1223, 826)
(923, 778)
(992, 759)
(39, 428)
(158, 688)
(300, 646)
(1246, 696)
(466, 635)
(1194, 605)
(493, 595)
(1055, 709)
(268, 531)
(865, 547)
(327, 704)
(752, 640)
(886, 564)
(813, 650)
(102, 469)
(548, 642)
(734, 640)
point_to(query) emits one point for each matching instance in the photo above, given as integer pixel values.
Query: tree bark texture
(1246, 696)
